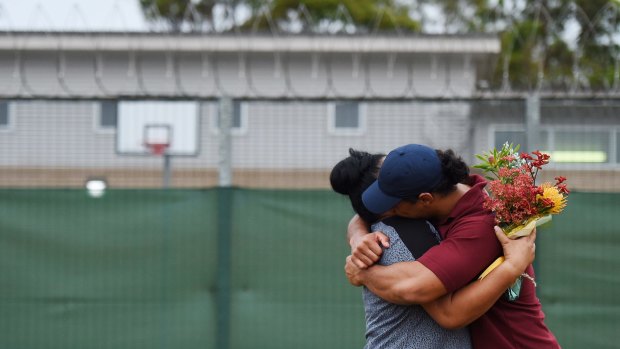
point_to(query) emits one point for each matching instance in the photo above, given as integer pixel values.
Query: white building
(299, 103)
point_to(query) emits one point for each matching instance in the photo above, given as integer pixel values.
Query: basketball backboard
(144, 127)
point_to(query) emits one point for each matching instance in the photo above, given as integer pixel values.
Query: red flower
(541, 159)
(546, 203)
(514, 196)
(563, 189)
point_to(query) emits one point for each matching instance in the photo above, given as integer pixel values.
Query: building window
(510, 137)
(581, 147)
(346, 118)
(518, 137)
(108, 115)
(568, 145)
(240, 118)
(4, 115)
(617, 140)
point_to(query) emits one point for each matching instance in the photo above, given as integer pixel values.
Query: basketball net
(158, 148)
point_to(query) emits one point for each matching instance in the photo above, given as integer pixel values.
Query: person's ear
(426, 198)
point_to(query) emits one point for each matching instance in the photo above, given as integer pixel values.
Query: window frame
(10, 120)
(612, 133)
(360, 130)
(98, 115)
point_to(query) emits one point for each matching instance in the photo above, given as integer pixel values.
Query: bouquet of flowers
(519, 204)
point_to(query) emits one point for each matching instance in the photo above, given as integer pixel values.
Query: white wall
(279, 134)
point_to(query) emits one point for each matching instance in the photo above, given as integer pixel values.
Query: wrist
(356, 278)
(359, 279)
(514, 270)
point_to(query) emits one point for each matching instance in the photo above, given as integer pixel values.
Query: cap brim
(377, 201)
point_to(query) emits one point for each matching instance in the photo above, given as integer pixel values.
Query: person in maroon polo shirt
(420, 182)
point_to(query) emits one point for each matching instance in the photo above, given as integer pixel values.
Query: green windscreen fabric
(239, 268)
(288, 279)
(132, 269)
(578, 264)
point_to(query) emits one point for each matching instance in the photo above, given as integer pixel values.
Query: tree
(176, 13)
(533, 40)
(312, 15)
(317, 15)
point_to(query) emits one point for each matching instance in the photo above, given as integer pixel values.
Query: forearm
(357, 228)
(403, 283)
(462, 307)
(366, 247)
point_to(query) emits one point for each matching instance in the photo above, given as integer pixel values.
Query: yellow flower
(552, 193)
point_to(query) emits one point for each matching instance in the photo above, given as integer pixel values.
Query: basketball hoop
(157, 148)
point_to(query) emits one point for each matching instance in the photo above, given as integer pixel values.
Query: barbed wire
(320, 70)
(601, 29)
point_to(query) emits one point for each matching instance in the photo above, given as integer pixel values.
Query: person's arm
(366, 247)
(400, 283)
(462, 307)
(443, 269)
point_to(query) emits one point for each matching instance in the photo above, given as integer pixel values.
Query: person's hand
(353, 272)
(367, 249)
(519, 253)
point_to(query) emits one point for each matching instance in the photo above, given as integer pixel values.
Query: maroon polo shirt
(468, 246)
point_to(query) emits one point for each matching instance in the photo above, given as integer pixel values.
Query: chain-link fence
(170, 189)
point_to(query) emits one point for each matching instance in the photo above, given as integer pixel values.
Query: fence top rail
(499, 97)
(191, 42)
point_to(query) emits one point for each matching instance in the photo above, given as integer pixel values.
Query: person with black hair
(391, 325)
(419, 182)
(352, 175)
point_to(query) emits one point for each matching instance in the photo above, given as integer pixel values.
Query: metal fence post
(167, 170)
(224, 224)
(532, 122)
(532, 131)
(225, 142)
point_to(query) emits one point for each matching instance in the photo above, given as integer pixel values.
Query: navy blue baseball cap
(406, 172)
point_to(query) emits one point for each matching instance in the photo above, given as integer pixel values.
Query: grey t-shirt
(393, 326)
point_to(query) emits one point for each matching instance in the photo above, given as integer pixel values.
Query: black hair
(454, 170)
(352, 175)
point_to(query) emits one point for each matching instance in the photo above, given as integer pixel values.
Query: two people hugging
(419, 240)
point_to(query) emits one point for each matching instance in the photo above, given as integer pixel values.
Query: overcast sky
(71, 14)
